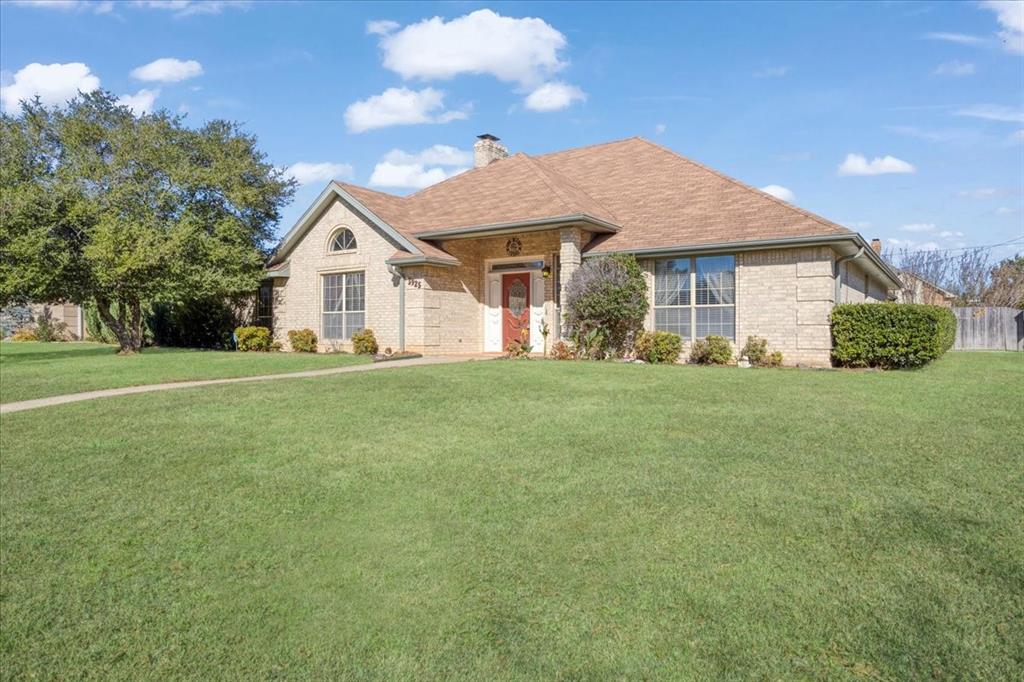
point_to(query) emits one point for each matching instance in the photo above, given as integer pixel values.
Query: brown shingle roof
(657, 197)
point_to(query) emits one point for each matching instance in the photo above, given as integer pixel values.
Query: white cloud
(954, 68)
(53, 83)
(308, 172)
(779, 192)
(141, 102)
(959, 38)
(381, 27)
(980, 193)
(524, 51)
(399, 106)
(857, 164)
(993, 112)
(1010, 15)
(946, 234)
(554, 96)
(660, 128)
(437, 155)
(185, 8)
(918, 227)
(912, 245)
(772, 72)
(1006, 210)
(68, 5)
(416, 170)
(168, 70)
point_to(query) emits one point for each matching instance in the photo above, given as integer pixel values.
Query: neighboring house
(916, 289)
(70, 314)
(464, 265)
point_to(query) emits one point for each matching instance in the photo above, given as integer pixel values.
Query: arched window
(343, 240)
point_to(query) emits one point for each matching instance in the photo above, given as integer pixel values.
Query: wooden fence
(989, 329)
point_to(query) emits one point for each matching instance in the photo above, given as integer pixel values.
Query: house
(468, 264)
(917, 289)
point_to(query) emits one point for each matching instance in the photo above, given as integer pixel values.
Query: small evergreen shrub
(713, 350)
(606, 302)
(890, 335)
(658, 347)
(302, 340)
(253, 339)
(756, 350)
(364, 342)
(560, 350)
(49, 331)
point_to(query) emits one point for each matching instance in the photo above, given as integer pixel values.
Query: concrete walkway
(23, 405)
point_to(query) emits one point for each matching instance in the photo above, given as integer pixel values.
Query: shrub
(253, 339)
(302, 340)
(364, 342)
(756, 350)
(606, 302)
(24, 334)
(890, 335)
(713, 350)
(49, 331)
(657, 347)
(196, 323)
(560, 350)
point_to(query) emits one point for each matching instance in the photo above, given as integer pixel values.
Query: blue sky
(928, 97)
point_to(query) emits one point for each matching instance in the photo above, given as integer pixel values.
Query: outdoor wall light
(546, 271)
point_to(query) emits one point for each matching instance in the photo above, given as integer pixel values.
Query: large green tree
(99, 205)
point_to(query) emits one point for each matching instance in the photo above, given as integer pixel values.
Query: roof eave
(423, 260)
(594, 225)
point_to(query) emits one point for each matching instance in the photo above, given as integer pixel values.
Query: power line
(966, 248)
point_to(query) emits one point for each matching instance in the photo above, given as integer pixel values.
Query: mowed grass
(524, 520)
(37, 370)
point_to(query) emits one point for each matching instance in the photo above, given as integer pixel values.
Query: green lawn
(36, 370)
(524, 520)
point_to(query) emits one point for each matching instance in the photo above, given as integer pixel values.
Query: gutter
(519, 226)
(423, 260)
(839, 272)
(397, 272)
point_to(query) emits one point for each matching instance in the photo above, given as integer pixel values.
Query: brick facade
(783, 295)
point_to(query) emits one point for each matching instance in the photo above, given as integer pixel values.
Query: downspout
(839, 272)
(397, 272)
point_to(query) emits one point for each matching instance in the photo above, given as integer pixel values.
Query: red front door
(515, 308)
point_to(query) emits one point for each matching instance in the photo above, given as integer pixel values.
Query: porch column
(569, 260)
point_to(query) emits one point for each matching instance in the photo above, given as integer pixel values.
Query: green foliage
(560, 350)
(253, 339)
(756, 350)
(658, 347)
(606, 302)
(302, 340)
(713, 350)
(124, 211)
(24, 334)
(890, 335)
(47, 330)
(364, 342)
(195, 323)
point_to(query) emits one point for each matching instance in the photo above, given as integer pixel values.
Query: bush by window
(253, 339)
(714, 350)
(606, 301)
(364, 342)
(658, 347)
(890, 335)
(343, 240)
(302, 340)
(756, 350)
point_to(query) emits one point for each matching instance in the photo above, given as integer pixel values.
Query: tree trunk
(126, 326)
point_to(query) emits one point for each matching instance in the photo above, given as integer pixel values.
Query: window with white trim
(343, 240)
(696, 297)
(344, 307)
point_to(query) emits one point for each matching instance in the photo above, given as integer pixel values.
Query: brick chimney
(487, 149)
(876, 246)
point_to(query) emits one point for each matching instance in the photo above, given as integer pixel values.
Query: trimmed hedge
(890, 335)
(658, 347)
(302, 340)
(253, 339)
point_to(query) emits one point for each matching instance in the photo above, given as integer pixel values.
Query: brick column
(569, 259)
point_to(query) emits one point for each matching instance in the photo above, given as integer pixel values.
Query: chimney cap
(488, 136)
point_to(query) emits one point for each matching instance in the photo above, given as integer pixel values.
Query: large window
(265, 305)
(696, 297)
(344, 311)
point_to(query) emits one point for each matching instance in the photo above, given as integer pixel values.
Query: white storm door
(492, 314)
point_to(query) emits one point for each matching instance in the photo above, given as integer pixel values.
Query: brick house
(466, 264)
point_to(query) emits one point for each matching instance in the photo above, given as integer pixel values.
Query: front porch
(505, 284)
